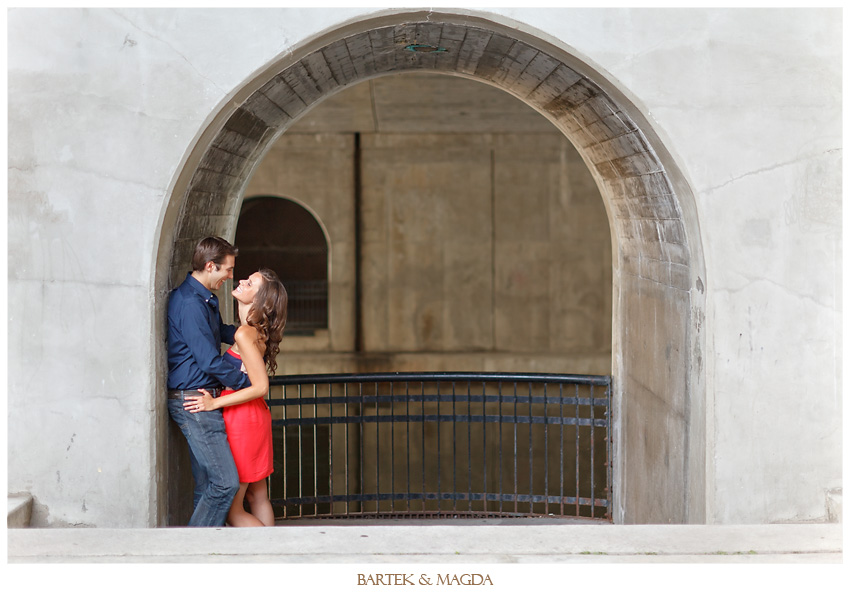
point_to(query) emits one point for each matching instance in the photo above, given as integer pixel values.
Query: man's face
(225, 272)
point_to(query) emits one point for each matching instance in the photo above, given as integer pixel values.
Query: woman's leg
(237, 516)
(258, 498)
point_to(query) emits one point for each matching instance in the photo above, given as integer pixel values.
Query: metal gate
(401, 445)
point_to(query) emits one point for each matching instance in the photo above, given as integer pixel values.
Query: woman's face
(247, 288)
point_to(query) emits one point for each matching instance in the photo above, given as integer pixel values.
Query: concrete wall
(106, 106)
(317, 172)
(486, 251)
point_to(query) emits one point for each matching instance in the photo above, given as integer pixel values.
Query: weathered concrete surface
(470, 542)
(106, 107)
(651, 208)
(478, 242)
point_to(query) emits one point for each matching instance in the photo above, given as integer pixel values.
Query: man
(195, 334)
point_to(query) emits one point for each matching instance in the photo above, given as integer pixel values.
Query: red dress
(249, 432)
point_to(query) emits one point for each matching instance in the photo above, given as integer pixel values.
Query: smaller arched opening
(279, 234)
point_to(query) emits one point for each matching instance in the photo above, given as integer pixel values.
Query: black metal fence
(441, 445)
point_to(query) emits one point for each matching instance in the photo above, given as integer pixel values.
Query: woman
(262, 302)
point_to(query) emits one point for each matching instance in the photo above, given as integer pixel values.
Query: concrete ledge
(20, 511)
(434, 543)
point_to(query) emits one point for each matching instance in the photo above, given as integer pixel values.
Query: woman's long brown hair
(268, 315)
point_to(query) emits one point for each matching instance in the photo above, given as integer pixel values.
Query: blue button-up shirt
(195, 334)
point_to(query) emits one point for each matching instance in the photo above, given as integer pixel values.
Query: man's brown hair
(213, 249)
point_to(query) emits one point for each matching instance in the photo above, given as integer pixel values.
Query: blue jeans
(216, 478)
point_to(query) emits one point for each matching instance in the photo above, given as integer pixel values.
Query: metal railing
(441, 445)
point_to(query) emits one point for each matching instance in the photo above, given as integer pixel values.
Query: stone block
(491, 58)
(319, 72)
(339, 61)
(612, 125)
(676, 253)
(246, 124)
(223, 162)
(572, 99)
(301, 81)
(594, 109)
(360, 51)
(657, 271)
(234, 142)
(637, 165)
(281, 94)
(537, 71)
(680, 276)
(215, 183)
(264, 109)
(473, 47)
(558, 81)
(514, 63)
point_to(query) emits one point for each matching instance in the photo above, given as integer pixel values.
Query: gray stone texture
(133, 132)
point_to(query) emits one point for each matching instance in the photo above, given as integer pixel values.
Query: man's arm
(202, 344)
(228, 332)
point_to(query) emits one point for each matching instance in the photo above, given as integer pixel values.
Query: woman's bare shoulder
(246, 333)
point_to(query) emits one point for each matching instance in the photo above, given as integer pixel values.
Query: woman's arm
(251, 352)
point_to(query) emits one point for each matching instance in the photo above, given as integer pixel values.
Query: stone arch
(659, 401)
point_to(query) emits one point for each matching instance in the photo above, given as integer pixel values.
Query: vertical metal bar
(546, 447)
(362, 448)
(422, 400)
(516, 486)
(592, 454)
(407, 423)
(530, 451)
(561, 442)
(501, 459)
(285, 461)
(315, 448)
(484, 440)
(331, 446)
(392, 446)
(347, 484)
(454, 449)
(578, 453)
(439, 471)
(609, 451)
(377, 450)
(300, 452)
(469, 444)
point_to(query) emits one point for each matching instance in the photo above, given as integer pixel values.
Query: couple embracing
(219, 408)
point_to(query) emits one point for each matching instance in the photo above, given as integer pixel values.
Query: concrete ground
(432, 557)
(430, 542)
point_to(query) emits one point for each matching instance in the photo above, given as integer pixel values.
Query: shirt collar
(199, 289)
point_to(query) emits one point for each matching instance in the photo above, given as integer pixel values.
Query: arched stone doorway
(659, 395)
